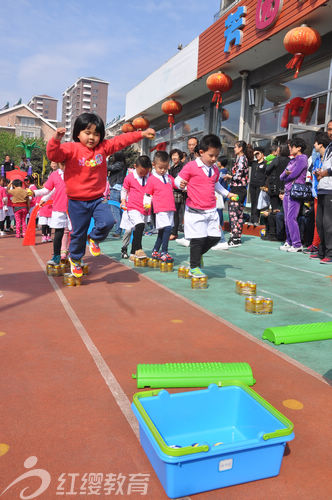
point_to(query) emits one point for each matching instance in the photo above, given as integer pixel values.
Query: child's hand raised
(183, 184)
(149, 133)
(60, 132)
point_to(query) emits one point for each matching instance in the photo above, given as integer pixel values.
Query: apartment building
(87, 94)
(45, 106)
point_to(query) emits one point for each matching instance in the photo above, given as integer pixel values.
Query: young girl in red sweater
(85, 177)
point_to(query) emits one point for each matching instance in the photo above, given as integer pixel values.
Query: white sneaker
(220, 246)
(295, 249)
(183, 242)
(285, 247)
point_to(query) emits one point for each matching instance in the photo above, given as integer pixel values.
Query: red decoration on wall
(128, 127)
(296, 107)
(224, 114)
(161, 146)
(301, 42)
(171, 108)
(218, 83)
(141, 123)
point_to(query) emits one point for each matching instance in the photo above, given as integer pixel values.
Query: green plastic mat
(298, 333)
(192, 374)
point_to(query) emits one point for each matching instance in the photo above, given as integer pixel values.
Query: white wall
(172, 76)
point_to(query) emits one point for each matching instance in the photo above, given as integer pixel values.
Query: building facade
(25, 122)
(245, 42)
(86, 95)
(45, 106)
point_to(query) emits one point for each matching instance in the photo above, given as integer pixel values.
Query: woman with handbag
(294, 177)
(273, 172)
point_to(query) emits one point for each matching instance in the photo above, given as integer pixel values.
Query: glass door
(306, 132)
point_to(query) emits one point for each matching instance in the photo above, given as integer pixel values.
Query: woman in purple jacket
(295, 172)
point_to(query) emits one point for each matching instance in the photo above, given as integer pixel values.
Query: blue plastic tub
(202, 440)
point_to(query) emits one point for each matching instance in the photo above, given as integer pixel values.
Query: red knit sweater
(86, 171)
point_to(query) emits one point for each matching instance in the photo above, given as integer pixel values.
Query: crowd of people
(289, 193)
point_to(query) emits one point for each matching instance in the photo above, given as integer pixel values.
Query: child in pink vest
(159, 191)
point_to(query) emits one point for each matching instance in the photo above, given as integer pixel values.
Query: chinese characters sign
(267, 13)
(234, 24)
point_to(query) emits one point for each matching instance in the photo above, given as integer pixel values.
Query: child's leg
(196, 251)
(65, 243)
(58, 234)
(104, 220)
(23, 218)
(17, 216)
(165, 238)
(159, 240)
(80, 213)
(126, 238)
(8, 222)
(44, 229)
(137, 237)
(210, 241)
(2, 225)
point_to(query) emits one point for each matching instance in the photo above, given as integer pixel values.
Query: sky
(47, 45)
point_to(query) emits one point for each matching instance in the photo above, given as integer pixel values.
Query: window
(94, 105)
(26, 134)
(28, 122)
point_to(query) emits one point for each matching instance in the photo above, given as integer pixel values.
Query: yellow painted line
(2, 334)
(3, 449)
(128, 286)
(176, 320)
(293, 404)
(315, 309)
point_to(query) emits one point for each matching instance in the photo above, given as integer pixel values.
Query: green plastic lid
(298, 333)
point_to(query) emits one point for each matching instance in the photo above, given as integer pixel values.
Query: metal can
(78, 281)
(57, 270)
(195, 282)
(85, 269)
(155, 263)
(268, 305)
(259, 305)
(71, 280)
(239, 286)
(62, 268)
(137, 262)
(170, 266)
(163, 267)
(49, 269)
(144, 262)
(65, 278)
(203, 282)
(187, 271)
(181, 272)
(150, 262)
(250, 304)
(251, 288)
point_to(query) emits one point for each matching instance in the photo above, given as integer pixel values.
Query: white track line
(113, 385)
(245, 334)
(276, 263)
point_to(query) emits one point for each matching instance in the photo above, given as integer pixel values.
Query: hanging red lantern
(224, 114)
(171, 108)
(301, 42)
(218, 83)
(128, 127)
(141, 123)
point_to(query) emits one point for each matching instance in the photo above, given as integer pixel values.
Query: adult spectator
(7, 166)
(324, 204)
(117, 171)
(273, 173)
(257, 180)
(179, 196)
(191, 145)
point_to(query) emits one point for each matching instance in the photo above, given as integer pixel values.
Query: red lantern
(141, 123)
(128, 127)
(224, 114)
(218, 83)
(301, 42)
(171, 108)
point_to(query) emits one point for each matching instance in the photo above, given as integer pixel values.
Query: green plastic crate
(192, 374)
(298, 333)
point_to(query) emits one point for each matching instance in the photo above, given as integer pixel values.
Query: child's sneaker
(155, 255)
(165, 257)
(54, 261)
(44, 239)
(232, 243)
(132, 257)
(311, 249)
(140, 254)
(76, 267)
(326, 260)
(93, 247)
(124, 254)
(295, 249)
(196, 272)
(48, 238)
(285, 247)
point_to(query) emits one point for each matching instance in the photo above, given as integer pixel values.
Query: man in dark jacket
(257, 180)
(7, 166)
